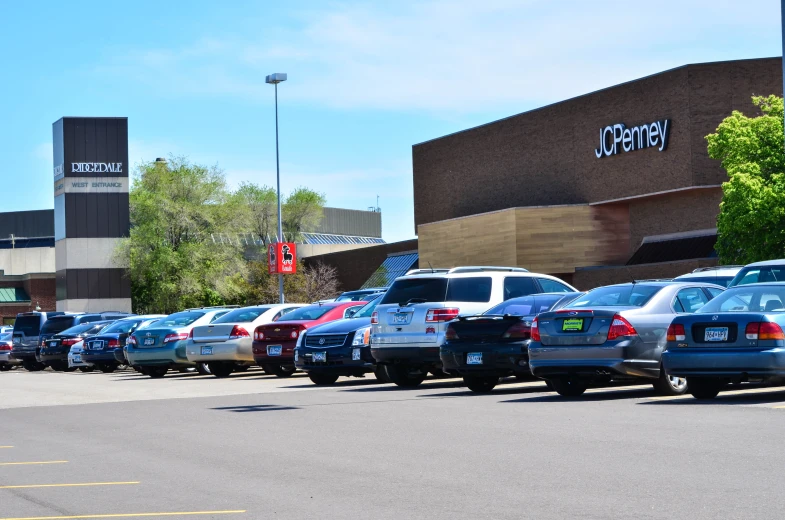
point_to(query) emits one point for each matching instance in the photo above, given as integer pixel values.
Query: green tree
(259, 207)
(751, 223)
(302, 211)
(180, 250)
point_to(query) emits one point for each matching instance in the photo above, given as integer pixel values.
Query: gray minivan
(27, 336)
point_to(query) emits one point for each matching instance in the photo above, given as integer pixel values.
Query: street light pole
(274, 79)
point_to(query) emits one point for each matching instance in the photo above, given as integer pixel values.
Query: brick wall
(40, 289)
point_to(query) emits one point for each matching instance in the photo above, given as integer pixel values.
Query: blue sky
(366, 79)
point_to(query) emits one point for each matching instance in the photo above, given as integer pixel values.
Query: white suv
(409, 323)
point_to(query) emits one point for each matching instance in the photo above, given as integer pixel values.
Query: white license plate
(274, 350)
(356, 354)
(400, 318)
(97, 345)
(716, 334)
(148, 341)
(474, 358)
(319, 357)
(207, 351)
(77, 358)
(52, 343)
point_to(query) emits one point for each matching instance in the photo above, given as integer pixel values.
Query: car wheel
(221, 370)
(569, 387)
(33, 366)
(107, 369)
(5, 368)
(405, 376)
(282, 371)
(481, 385)
(86, 369)
(702, 388)
(323, 379)
(669, 385)
(381, 374)
(524, 377)
(156, 372)
(203, 369)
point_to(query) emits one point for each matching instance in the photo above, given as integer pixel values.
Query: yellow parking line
(6, 447)
(126, 515)
(29, 463)
(778, 406)
(69, 485)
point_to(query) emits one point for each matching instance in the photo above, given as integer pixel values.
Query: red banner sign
(282, 258)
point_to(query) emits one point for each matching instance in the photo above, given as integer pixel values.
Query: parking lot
(253, 446)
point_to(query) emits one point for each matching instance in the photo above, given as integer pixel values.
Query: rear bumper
(339, 361)
(233, 350)
(286, 358)
(625, 358)
(53, 355)
(497, 359)
(27, 354)
(72, 363)
(170, 356)
(752, 362)
(100, 356)
(427, 356)
(6, 359)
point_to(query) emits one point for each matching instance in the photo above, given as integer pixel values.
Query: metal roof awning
(13, 295)
(394, 266)
(671, 249)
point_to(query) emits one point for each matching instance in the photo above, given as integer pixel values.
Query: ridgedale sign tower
(91, 212)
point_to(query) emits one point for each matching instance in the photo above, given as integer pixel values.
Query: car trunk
(577, 327)
(213, 333)
(152, 338)
(485, 328)
(704, 331)
(279, 332)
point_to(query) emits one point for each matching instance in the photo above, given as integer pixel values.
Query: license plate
(716, 334)
(274, 350)
(474, 358)
(207, 351)
(319, 357)
(97, 345)
(148, 341)
(572, 325)
(356, 354)
(77, 358)
(400, 318)
(17, 341)
(52, 343)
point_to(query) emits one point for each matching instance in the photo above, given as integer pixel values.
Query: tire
(569, 387)
(703, 388)
(323, 379)
(439, 374)
(86, 369)
(381, 374)
(69, 369)
(405, 376)
(156, 372)
(57, 367)
(481, 385)
(667, 385)
(221, 370)
(282, 371)
(203, 369)
(107, 369)
(33, 366)
(524, 377)
(5, 368)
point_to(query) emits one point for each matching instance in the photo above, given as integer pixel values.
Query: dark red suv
(273, 344)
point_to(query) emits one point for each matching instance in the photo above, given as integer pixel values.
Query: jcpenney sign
(95, 167)
(618, 138)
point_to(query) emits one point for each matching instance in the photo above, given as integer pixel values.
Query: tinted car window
(420, 289)
(307, 313)
(55, 325)
(245, 315)
(525, 306)
(714, 292)
(368, 309)
(750, 275)
(517, 286)
(180, 319)
(617, 296)
(690, 300)
(29, 325)
(122, 327)
(748, 299)
(549, 285)
(474, 289)
(78, 329)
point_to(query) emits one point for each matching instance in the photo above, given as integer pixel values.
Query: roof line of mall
(596, 92)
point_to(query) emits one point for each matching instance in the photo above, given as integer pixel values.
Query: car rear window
(526, 306)
(420, 289)
(180, 319)
(312, 312)
(244, 315)
(353, 296)
(748, 299)
(78, 329)
(636, 295)
(29, 325)
(121, 327)
(55, 325)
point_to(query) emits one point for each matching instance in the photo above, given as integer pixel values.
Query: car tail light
(68, 342)
(113, 343)
(534, 330)
(450, 333)
(438, 315)
(238, 332)
(294, 334)
(765, 330)
(676, 332)
(258, 335)
(5, 346)
(519, 330)
(620, 328)
(375, 318)
(131, 340)
(175, 337)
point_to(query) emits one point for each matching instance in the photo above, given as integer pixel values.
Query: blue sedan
(738, 336)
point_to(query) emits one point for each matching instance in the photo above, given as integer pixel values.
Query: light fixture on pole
(274, 79)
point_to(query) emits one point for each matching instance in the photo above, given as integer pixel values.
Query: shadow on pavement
(255, 408)
(760, 396)
(351, 383)
(610, 395)
(447, 383)
(499, 390)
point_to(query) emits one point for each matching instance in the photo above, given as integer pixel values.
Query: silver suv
(409, 323)
(719, 275)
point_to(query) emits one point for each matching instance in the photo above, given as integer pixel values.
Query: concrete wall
(16, 262)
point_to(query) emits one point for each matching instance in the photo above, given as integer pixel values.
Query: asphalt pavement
(256, 447)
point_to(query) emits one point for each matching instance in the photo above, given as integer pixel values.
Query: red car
(273, 344)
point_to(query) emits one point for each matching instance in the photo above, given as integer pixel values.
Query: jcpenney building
(595, 189)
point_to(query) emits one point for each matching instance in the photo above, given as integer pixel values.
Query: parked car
(161, 347)
(613, 333)
(360, 294)
(719, 275)
(409, 324)
(57, 324)
(6, 344)
(55, 349)
(99, 350)
(339, 348)
(6, 329)
(760, 272)
(75, 358)
(226, 345)
(26, 338)
(736, 337)
(485, 347)
(273, 344)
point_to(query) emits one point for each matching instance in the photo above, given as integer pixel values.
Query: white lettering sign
(58, 171)
(91, 185)
(94, 167)
(617, 138)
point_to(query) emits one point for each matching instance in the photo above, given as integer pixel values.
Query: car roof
(765, 263)
(758, 284)
(721, 271)
(663, 283)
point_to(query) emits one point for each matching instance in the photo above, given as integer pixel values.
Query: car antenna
(429, 265)
(632, 278)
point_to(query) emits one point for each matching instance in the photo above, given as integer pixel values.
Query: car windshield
(6, 336)
(244, 315)
(59, 324)
(122, 327)
(633, 295)
(180, 319)
(312, 312)
(765, 298)
(29, 325)
(718, 280)
(748, 275)
(367, 309)
(525, 306)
